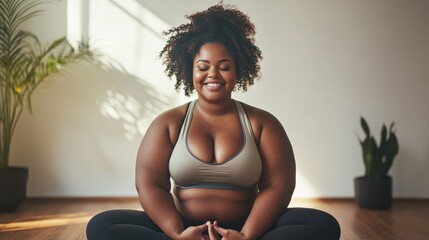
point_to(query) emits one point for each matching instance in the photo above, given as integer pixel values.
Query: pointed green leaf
(364, 125)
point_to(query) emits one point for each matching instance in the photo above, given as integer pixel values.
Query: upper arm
(277, 156)
(153, 155)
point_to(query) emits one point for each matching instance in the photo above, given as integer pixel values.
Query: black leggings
(294, 223)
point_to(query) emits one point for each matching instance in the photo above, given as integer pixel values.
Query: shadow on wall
(83, 135)
(86, 127)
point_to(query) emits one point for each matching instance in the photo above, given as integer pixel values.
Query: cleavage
(215, 142)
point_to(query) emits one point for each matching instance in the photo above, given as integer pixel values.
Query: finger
(202, 227)
(221, 231)
(212, 232)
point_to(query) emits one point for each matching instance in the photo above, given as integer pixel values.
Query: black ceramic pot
(13, 188)
(373, 193)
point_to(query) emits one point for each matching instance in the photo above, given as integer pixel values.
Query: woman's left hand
(227, 234)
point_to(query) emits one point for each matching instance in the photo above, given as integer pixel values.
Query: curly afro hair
(222, 24)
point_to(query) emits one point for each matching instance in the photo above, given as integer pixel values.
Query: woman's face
(214, 72)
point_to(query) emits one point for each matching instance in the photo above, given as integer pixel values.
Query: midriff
(225, 206)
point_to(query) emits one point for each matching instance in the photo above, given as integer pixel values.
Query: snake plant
(378, 159)
(24, 64)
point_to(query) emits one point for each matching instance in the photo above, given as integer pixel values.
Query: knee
(318, 224)
(97, 225)
(328, 225)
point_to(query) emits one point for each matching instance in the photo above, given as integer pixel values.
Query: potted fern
(24, 64)
(374, 189)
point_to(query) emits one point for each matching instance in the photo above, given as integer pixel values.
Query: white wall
(325, 64)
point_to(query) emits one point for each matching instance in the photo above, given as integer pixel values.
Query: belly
(226, 206)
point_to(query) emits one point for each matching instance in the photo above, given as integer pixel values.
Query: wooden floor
(65, 219)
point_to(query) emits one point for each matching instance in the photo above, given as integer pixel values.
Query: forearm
(159, 205)
(268, 205)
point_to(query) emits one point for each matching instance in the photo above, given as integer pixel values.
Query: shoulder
(261, 120)
(170, 121)
(259, 117)
(173, 115)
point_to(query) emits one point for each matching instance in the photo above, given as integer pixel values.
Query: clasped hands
(197, 233)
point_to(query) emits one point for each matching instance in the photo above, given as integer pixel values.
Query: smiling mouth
(213, 86)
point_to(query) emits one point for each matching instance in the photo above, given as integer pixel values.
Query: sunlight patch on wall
(130, 37)
(127, 33)
(304, 188)
(77, 20)
(128, 111)
(142, 15)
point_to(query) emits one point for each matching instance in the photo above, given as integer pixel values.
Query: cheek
(198, 76)
(232, 76)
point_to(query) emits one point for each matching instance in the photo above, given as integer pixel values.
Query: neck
(218, 108)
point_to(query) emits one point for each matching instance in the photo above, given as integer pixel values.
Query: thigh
(304, 223)
(123, 224)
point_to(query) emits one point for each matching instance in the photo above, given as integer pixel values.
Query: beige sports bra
(240, 172)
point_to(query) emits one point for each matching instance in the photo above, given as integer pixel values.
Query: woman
(232, 164)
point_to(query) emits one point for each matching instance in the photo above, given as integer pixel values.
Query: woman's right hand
(194, 233)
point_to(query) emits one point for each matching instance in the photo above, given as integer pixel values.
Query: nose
(213, 72)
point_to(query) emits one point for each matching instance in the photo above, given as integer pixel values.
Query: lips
(213, 85)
